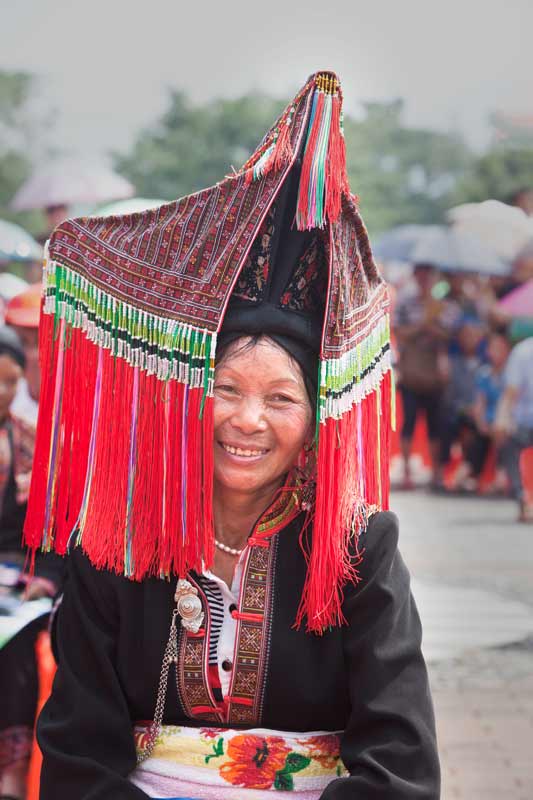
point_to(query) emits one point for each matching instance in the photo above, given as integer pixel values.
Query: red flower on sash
(325, 749)
(254, 760)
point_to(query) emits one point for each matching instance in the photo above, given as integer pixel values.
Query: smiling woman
(262, 420)
(262, 416)
(223, 474)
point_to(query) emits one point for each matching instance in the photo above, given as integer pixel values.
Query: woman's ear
(310, 441)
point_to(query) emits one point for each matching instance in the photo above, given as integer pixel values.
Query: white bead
(231, 550)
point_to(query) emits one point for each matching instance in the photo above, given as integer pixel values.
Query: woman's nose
(249, 416)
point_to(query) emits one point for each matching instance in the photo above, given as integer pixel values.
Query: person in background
(18, 671)
(523, 198)
(22, 314)
(54, 215)
(422, 333)
(456, 421)
(16, 443)
(461, 299)
(522, 268)
(488, 390)
(514, 420)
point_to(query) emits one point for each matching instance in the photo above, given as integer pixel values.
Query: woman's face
(262, 416)
(10, 374)
(30, 340)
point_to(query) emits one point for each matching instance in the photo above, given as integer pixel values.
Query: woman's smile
(248, 453)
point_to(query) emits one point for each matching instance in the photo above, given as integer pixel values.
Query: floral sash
(230, 764)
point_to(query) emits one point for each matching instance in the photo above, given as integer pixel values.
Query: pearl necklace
(232, 551)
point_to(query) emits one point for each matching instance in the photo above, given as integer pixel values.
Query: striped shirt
(216, 610)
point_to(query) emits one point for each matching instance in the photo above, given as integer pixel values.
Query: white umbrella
(69, 181)
(16, 244)
(130, 206)
(398, 243)
(505, 229)
(11, 285)
(452, 250)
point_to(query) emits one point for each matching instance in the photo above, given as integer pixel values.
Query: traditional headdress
(133, 305)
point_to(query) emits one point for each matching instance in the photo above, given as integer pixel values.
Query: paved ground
(473, 573)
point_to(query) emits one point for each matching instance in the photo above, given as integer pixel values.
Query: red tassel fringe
(170, 547)
(282, 154)
(347, 450)
(154, 518)
(102, 527)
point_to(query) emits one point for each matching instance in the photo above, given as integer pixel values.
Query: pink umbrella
(519, 302)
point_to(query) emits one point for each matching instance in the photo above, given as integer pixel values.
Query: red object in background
(46, 669)
(526, 466)
(24, 309)
(420, 436)
(421, 448)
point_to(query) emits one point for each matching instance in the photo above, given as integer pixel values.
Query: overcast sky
(106, 65)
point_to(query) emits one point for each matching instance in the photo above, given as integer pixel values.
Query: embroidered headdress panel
(131, 312)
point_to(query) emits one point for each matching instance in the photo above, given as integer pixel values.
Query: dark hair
(253, 339)
(10, 345)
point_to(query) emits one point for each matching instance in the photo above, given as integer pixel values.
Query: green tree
(15, 136)
(497, 174)
(506, 167)
(195, 146)
(401, 174)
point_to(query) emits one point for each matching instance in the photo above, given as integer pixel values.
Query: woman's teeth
(236, 451)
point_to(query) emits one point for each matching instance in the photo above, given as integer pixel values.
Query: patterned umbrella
(17, 245)
(68, 182)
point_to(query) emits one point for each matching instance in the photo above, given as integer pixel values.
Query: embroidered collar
(283, 509)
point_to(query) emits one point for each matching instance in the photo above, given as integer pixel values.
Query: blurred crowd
(464, 363)
(19, 398)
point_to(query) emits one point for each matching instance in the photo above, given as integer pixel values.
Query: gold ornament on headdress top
(327, 82)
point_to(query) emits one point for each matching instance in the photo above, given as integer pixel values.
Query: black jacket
(367, 678)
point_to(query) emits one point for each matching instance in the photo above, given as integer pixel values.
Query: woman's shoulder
(104, 585)
(377, 543)
(382, 524)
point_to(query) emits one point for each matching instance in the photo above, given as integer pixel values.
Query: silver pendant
(189, 606)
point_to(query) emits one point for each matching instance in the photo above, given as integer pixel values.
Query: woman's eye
(223, 387)
(282, 398)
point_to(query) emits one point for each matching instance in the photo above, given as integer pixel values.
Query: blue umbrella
(398, 243)
(452, 250)
(17, 245)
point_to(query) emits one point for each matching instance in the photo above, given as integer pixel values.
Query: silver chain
(170, 657)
